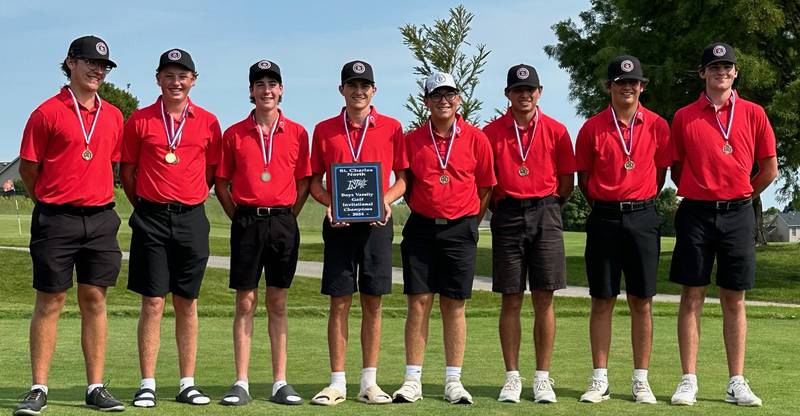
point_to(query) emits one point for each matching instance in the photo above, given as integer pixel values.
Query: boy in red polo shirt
(358, 256)
(262, 183)
(622, 157)
(68, 148)
(716, 141)
(451, 175)
(535, 167)
(169, 155)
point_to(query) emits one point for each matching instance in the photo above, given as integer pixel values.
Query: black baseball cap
(177, 57)
(263, 68)
(90, 47)
(357, 70)
(522, 75)
(625, 67)
(717, 52)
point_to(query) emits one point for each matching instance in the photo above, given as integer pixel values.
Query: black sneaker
(102, 400)
(33, 403)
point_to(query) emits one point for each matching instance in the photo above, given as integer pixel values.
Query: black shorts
(620, 242)
(358, 258)
(169, 249)
(439, 256)
(66, 238)
(527, 245)
(704, 233)
(265, 240)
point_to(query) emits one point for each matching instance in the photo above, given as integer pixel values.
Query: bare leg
(416, 331)
(94, 329)
(510, 331)
(641, 330)
(600, 330)
(246, 303)
(278, 330)
(43, 332)
(544, 328)
(337, 330)
(149, 334)
(689, 314)
(186, 333)
(734, 328)
(455, 330)
(370, 330)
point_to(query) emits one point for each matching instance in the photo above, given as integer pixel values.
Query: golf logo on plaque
(357, 192)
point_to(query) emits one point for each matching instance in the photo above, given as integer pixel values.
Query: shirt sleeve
(764, 136)
(398, 141)
(227, 161)
(663, 156)
(317, 158)
(215, 141)
(565, 155)
(35, 138)
(676, 138)
(131, 142)
(484, 169)
(584, 150)
(302, 168)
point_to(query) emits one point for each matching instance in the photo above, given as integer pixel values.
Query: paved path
(314, 269)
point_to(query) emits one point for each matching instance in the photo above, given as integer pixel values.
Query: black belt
(624, 206)
(440, 221)
(75, 210)
(263, 211)
(174, 207)
(512, 202)
(719, 205)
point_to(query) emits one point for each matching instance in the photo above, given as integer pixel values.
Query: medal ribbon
(533, 134)
(725, 132)
(631, 123)
(174, 136)
(86, 137)
(353, 152)
(443, 162)
(267, 156)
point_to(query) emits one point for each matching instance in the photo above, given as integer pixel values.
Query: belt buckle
(626, 206)
(723, 205)
(440, 221)
(174, 208)
(263, 211)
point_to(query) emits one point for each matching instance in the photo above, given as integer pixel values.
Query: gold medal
(171, 158)
(727, 149)
(444, 179)
(265, 176)
(87, 154)
(629, 165)
(523, 171)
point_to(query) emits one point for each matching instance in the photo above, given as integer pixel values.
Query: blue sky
(309, 40)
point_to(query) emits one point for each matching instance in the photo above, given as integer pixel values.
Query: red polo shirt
(54, 139)
(550, 155)
(708, 173)
(242, 162)
(598, 151)
(470, 166)
(383, 144)
(145, 144)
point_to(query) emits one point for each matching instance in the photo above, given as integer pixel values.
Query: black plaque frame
(342, 193)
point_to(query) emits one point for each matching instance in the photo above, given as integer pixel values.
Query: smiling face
(357, 94)
(87, 74)
(443, 103)
(625, 92)
(266, 93)
(719, 75)
(523, 98)
(175, 82)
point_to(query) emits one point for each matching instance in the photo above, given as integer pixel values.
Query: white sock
(41, 387)
(690, 377)
(148, 383)
(277, 386)
(414, 371)
(243, 384)
(92, 387)
(369, 376)
(738, 377)
(452, 372)
(338, 381)
(512, 374)
(640, 374)
(600, 373)
(541, 375)
(185, 383)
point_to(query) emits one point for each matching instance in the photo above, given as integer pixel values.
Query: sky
(309, 40)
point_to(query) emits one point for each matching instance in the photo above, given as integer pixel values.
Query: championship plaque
(357, 194)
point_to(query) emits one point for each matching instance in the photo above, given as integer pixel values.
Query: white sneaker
(597, 391)
(409, 392)
(685, 394)
(642, 392)
(543, 390)
(739, 392)
(454, 391)
(511, 390)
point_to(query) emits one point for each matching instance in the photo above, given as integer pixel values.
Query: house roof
(792, 219)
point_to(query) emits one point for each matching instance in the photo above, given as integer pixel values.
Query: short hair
(65, 69)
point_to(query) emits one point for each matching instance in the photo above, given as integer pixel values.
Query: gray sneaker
(102, 400)
(33, 403)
